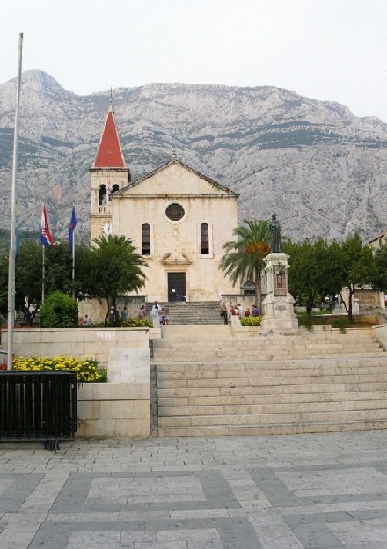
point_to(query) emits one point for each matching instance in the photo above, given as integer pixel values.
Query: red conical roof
(109, 153)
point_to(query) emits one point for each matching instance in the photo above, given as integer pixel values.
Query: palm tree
(244, 257)
(116, 269)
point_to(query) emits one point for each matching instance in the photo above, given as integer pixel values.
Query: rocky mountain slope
(319, 167)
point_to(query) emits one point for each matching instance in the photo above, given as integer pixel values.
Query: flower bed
(250, 320)
(136, 323)
(87, 370)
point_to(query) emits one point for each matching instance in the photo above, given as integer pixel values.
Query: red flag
(45, 236)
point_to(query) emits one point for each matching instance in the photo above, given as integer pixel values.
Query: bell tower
(109, 174)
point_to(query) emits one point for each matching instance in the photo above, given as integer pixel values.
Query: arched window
(204, 239)
(145, 236)
(102, 195)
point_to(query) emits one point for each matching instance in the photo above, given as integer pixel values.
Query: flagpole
(73, 269)
(43, 270)
(12, 250)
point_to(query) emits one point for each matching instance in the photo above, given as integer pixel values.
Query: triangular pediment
(175, 178)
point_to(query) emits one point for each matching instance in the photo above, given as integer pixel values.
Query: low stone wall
(380, 333)
(118, 408)
(121, 407)
(94, 343)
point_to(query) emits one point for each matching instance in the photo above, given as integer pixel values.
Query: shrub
(87, 370)
(342, 324)
(137, 323)
(59, 311)
(250, 320)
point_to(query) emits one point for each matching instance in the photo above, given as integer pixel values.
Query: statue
(274, 227)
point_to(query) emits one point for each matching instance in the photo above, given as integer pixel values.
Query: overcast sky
(324, 49)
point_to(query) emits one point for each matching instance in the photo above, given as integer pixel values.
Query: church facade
(177, 218)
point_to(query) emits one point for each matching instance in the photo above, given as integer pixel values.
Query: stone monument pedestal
(278, 311)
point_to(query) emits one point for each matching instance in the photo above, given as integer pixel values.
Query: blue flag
(72, 225)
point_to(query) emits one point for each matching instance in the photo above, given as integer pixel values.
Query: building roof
(381, 235)
(109, 153)
(175, 161)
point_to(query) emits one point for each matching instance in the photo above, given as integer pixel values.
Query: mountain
(321, 169)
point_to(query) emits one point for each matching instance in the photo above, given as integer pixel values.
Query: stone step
(260, 381)
(183, 313)
(273, 429)
(178, 399)
(266, 384)
(247, 371)
(223, 412)
(284, 367)
(264, 357)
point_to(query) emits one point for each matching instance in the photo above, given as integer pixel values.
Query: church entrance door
(176, 287)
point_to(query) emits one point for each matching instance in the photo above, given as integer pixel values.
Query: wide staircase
(183, 313)
(208, 382)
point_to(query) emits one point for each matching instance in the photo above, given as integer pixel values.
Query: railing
(38, 406)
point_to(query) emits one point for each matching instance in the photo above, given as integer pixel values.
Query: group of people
(159, 314)
(86, 321)
(237, 310)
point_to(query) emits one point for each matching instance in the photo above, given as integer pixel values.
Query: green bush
(250, 320)
(137, 323)
(342, 324)
(59, 311)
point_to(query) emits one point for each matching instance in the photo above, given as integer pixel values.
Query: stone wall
(118, 408)
(94, 343)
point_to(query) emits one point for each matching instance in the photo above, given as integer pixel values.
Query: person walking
(166, 317)
(224, 313)
(155, 314)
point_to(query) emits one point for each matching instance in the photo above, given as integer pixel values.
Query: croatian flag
(72, 225)
(46, 238)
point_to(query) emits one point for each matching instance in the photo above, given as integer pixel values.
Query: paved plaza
(280, 492)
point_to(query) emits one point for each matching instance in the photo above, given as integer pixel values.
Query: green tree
(58, 268)
(115, 270)
(380, 280)
(59, 310)
(243, 258)
(4, 262)
(357, 267)
(28, 279)
(29, 272)
(308, 278)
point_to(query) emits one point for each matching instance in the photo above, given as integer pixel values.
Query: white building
(177, 218)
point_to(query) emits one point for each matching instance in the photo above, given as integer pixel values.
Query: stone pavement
(279, 492)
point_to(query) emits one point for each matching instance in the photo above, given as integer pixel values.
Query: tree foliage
(59, 310)
(115, 269)
(308, 270)
(357, 266)
(4, 262)
(318, 269)
(380, 280)
(243, 258)
(28, 279)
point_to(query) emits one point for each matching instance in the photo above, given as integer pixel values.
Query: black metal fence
(38, 406)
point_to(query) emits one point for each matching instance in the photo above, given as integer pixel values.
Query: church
(176, 217)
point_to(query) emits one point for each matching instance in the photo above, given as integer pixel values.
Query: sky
(331, 50)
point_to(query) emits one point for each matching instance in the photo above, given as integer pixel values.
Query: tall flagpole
(43, 271)
(73, 269)
(12, 250)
